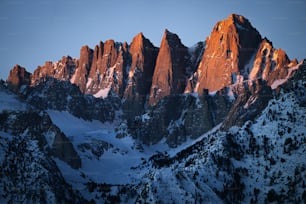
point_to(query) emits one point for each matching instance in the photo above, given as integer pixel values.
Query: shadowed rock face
(252, 98)
(170, 70)
(181, 116)
(196, 54)
(39, 126)
(64, 96)
(228, 49)
(96, 69)
(64, 150)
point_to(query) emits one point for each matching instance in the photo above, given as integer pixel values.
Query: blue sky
(35, 31)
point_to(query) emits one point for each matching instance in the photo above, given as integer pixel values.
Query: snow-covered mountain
(220, 122)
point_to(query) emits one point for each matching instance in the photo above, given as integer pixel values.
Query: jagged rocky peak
(270, 64)
(61, 70)
(18, 76)
(97, 69)
(137, 43)
(170, 70)
(229, 48)
(171, 38)
(118, 78)
(107, 69)
(41, 72)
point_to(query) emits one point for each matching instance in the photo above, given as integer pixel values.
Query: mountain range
(222, 121)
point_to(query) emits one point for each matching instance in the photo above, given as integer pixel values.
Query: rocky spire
(143, 55)
(80, 76)
(170, 69)
(270, 64)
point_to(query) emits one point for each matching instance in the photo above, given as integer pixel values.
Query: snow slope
(105, 158)
(258, 162)
(9, 101)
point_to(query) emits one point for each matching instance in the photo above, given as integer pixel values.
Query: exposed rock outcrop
(252, 98)
(232, 53)
(64, 150)
(39, 126)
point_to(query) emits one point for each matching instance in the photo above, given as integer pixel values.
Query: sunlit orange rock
(228, 49)
(18, 76)
(170, 69)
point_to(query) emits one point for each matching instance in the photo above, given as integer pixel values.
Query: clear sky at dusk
(34, 31)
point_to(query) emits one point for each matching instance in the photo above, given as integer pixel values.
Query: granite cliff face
(251, 98)
(170, 70)
(228, 49)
